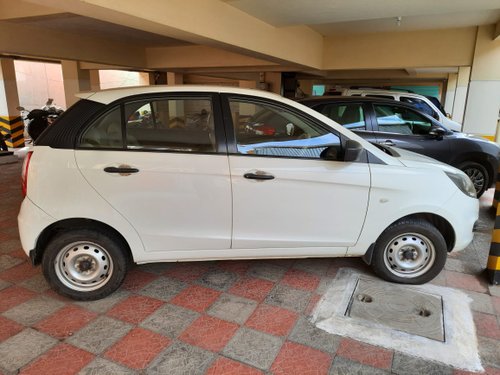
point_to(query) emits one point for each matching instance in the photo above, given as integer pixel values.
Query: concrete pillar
(175, 78)
(274, 81)
(95, 81)
(75, 80)
(461, 94)
(451, 89)
(483, 101)
(11, 124)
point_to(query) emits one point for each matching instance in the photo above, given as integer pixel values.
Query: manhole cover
(398, 307)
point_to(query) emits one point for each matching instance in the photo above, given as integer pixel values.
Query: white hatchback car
(159, 174)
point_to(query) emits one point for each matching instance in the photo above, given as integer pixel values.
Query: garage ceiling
(330, 17)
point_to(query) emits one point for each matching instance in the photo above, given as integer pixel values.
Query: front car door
(400, 126)
(285, 195)
(161, 162)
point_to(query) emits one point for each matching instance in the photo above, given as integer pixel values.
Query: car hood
(413, 160)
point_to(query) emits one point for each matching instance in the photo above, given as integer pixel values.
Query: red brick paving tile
(487, 325)
(19, 273)
(301, 280)
(209, 333)
(53, 294)
(296, 359)
(224, 366)
(65, 322)
(256, 289)
(135, 309)
(138, 348)
(273, 320)
(196, 298)
(312, 304)
(13, 296)
(19, 253)
(64, 359)
(496, 304)
(364, 353)
(187, 271)
(237, 266)
(8, 328)
(464, 281)
(136, 280)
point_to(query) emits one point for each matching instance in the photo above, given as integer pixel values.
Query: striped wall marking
(493, 263)
(13, 127)
(15, 144)
(496, 236)
(489, 137)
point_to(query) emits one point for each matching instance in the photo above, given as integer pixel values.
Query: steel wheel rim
(83, 266)
(409, 255)
(477, 177)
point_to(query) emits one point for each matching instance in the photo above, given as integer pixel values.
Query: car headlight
(463, 183)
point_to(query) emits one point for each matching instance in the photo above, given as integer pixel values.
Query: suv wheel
(411, 251)
(478, 175)
(84, 264)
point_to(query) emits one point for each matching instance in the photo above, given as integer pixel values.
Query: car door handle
(388, 143)
(123, 170)
(258, 176)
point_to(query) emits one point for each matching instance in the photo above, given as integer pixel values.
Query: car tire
(410, 251)
(478, 175)
(85, 264)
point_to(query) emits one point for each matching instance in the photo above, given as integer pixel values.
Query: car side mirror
(437, 131)
(353, 151)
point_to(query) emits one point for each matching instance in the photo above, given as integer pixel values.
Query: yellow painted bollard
(496, 197)
(13, 128)
(494, 257)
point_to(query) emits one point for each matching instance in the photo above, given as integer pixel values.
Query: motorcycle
(37, 120)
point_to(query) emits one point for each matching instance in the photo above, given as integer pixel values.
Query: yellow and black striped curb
(496, 197)
(494, 256)
(13, 127)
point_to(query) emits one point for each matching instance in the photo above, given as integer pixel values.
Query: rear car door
(406, 128)
(161, 162)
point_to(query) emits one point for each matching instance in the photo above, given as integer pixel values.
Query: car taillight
(24, 175)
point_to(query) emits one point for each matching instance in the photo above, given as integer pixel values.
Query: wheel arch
(75, 224)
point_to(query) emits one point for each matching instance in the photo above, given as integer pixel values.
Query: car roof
(359, 99)
(110, 95)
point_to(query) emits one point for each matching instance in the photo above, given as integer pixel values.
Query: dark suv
(392, 123)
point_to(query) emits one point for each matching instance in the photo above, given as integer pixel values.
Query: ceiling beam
(18, 9)
(209, 22)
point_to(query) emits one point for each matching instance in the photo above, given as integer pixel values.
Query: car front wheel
(411, 251)
(84, 264)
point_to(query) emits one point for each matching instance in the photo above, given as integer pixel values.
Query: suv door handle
(258, 176)
(388, 143)
(123, 170)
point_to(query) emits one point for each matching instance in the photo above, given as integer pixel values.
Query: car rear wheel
(411, 251)
(84, 264)
(478, 175)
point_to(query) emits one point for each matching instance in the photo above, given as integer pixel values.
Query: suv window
(262, 129)
(166, 125)
(349, 115)
(421, 105)
(395, 119)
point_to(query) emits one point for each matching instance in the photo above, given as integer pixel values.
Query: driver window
(266, 130)
(395, 119)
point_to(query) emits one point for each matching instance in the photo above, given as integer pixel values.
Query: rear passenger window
(184, 125)
(351, 116)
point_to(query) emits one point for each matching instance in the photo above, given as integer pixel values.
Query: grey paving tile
(4, 284)
(343, 366)
(471, 267)
(181, 359)
(406, 365)
(163, 288)
(7, 261)
(308, 334)
(8, 246)
(494, 290)
(37, 284)
(481, 302)
(288, 298)
(317, 266)
(232, 308)
(489, 350)
(324, 284)
(254, 348)
(22, 348)
(99, 334)
(266, 271)
(100, 366)
(155, 268)
(218, 279)
(30, 312)
(103, 305)
(170, 320)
